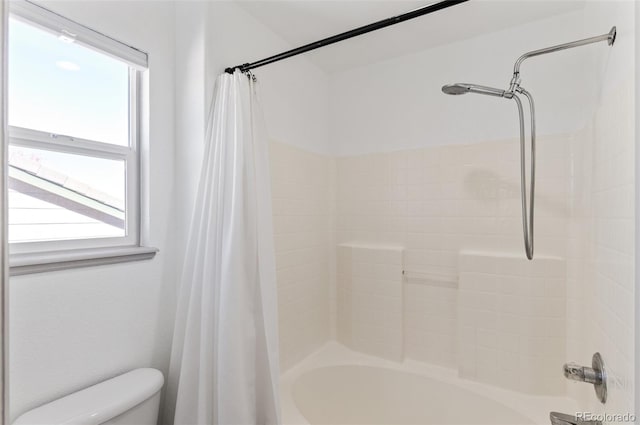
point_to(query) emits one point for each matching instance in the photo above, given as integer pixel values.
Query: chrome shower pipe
(527, 213)
(527, 207)
(512, 93)
(610, 37)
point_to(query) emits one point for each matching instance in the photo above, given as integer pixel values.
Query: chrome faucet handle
(564, 419)
(595, 375)
(576, 372)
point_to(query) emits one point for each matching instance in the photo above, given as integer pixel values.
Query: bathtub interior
(372, 395)
(336, 385)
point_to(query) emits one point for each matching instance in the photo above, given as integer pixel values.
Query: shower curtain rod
(348, 34)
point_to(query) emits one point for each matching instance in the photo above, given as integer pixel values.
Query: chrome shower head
(456, 89)
(462, 88)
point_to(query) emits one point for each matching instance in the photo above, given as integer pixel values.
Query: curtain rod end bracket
(243, 68)
(612, 36)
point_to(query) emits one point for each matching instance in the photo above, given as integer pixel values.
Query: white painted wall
(190, 109)
(636, 379)
(74, 328)
(294, 92)
(4, 266)
(214, 35)
(398, 104)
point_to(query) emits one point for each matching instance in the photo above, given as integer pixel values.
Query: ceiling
(303, 21)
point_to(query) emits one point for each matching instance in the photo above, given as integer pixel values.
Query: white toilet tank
(129, 399)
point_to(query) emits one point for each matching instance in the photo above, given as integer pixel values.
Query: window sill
(21, 264)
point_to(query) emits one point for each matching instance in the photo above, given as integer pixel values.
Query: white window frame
(29, 257)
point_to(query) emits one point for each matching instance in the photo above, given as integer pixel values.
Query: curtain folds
(224, 360)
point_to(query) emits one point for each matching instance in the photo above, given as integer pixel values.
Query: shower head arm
(610, 37)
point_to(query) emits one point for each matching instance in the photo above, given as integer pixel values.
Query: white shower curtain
(224, 360)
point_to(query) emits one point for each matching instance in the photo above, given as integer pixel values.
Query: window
(73, 105)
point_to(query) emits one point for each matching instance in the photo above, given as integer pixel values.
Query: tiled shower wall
(370, 299)
(600, 273)
(430, 322)
(436, 202)
(303, 212)
(512, 329)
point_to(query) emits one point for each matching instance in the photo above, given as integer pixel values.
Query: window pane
(55, 196)
(65, 88)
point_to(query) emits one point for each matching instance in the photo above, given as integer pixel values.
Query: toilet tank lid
(99, 403)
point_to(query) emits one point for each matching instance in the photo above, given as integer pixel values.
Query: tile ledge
(510, 255)
(371, 246)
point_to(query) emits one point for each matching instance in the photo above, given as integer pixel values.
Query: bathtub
(338, 386)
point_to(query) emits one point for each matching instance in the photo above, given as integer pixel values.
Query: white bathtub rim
(535, 408)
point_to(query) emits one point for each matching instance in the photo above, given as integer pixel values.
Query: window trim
(22, 264)
(59, 25)
(34, 257)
